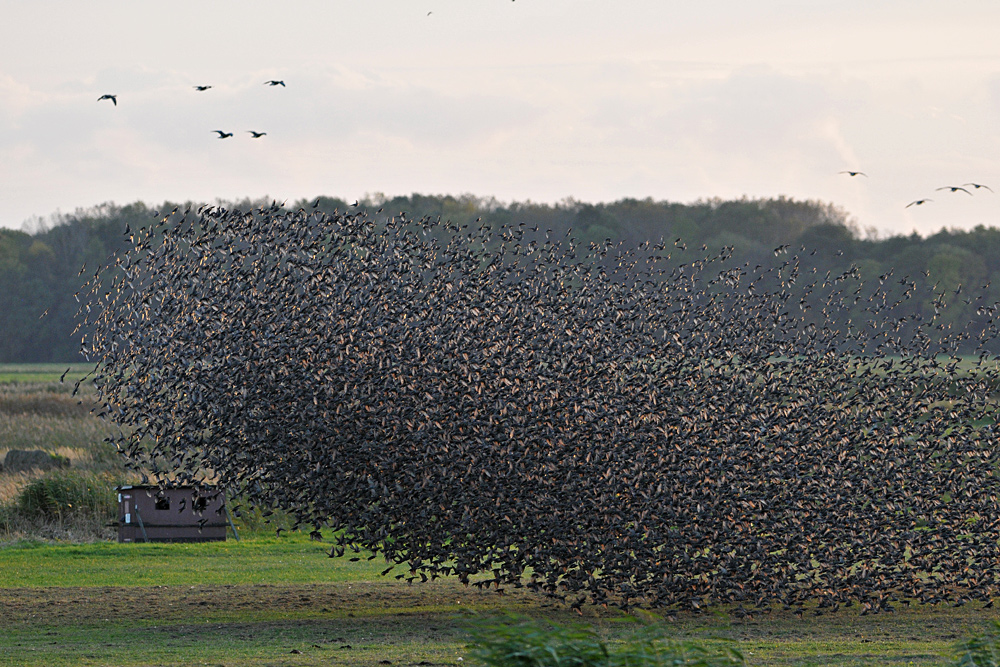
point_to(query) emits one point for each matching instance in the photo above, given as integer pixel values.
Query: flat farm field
(282, 601)
(270, 600)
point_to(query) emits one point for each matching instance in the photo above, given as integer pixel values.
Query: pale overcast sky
(530, 99)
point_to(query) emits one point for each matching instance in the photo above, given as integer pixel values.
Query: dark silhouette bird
(918, 202)
(256, 135)
(954, 188)
(113, 98)
(201, 88)
(274, 82)
(854, 173)
(223, 135)
(979, 185)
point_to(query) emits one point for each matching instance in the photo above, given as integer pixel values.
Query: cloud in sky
(525, 100)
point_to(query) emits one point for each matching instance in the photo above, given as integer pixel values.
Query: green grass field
(255, 601)
(259, 560)
(270, 600)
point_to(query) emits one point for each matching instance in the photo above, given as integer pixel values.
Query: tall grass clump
(68, 494)
(65, 505)
(531, 643)
(982, 650)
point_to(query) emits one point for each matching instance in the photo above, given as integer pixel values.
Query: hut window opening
(163, 503)
(199, 504)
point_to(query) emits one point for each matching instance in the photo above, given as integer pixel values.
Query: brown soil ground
(371, 622)
(356, 623)
(172, 604)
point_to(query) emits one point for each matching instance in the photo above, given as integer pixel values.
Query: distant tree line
(44, 265)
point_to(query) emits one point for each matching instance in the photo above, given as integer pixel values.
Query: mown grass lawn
(270, 600)
(259, 560)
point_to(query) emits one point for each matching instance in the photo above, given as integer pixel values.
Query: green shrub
(66, 494)
(530, 643)
(982, 650)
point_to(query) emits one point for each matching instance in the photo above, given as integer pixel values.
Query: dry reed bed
(49, 417)
(46, 403)
(33, 431)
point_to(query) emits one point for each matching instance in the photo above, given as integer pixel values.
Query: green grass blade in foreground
(980, 650)
(525, 642)
(530, 643)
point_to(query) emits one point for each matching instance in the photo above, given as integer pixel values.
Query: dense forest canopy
(45, 265)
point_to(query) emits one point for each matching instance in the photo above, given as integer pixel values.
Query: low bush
(67, 494)
(531, 643)
(63, 505)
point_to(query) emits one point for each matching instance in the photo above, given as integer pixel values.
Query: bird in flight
(223, 135)
(257, 135)
(980, 185)
(113, 98)
(274, 82)
(854, 173)
(917, 202)
(201, 88)
(954, 188)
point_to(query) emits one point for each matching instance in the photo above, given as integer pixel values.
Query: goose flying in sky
(257, 135)
(274, 82)
(113, 98)
(223, 135)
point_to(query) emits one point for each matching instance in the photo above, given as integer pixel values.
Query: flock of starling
(629, 426)
(222, 133)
